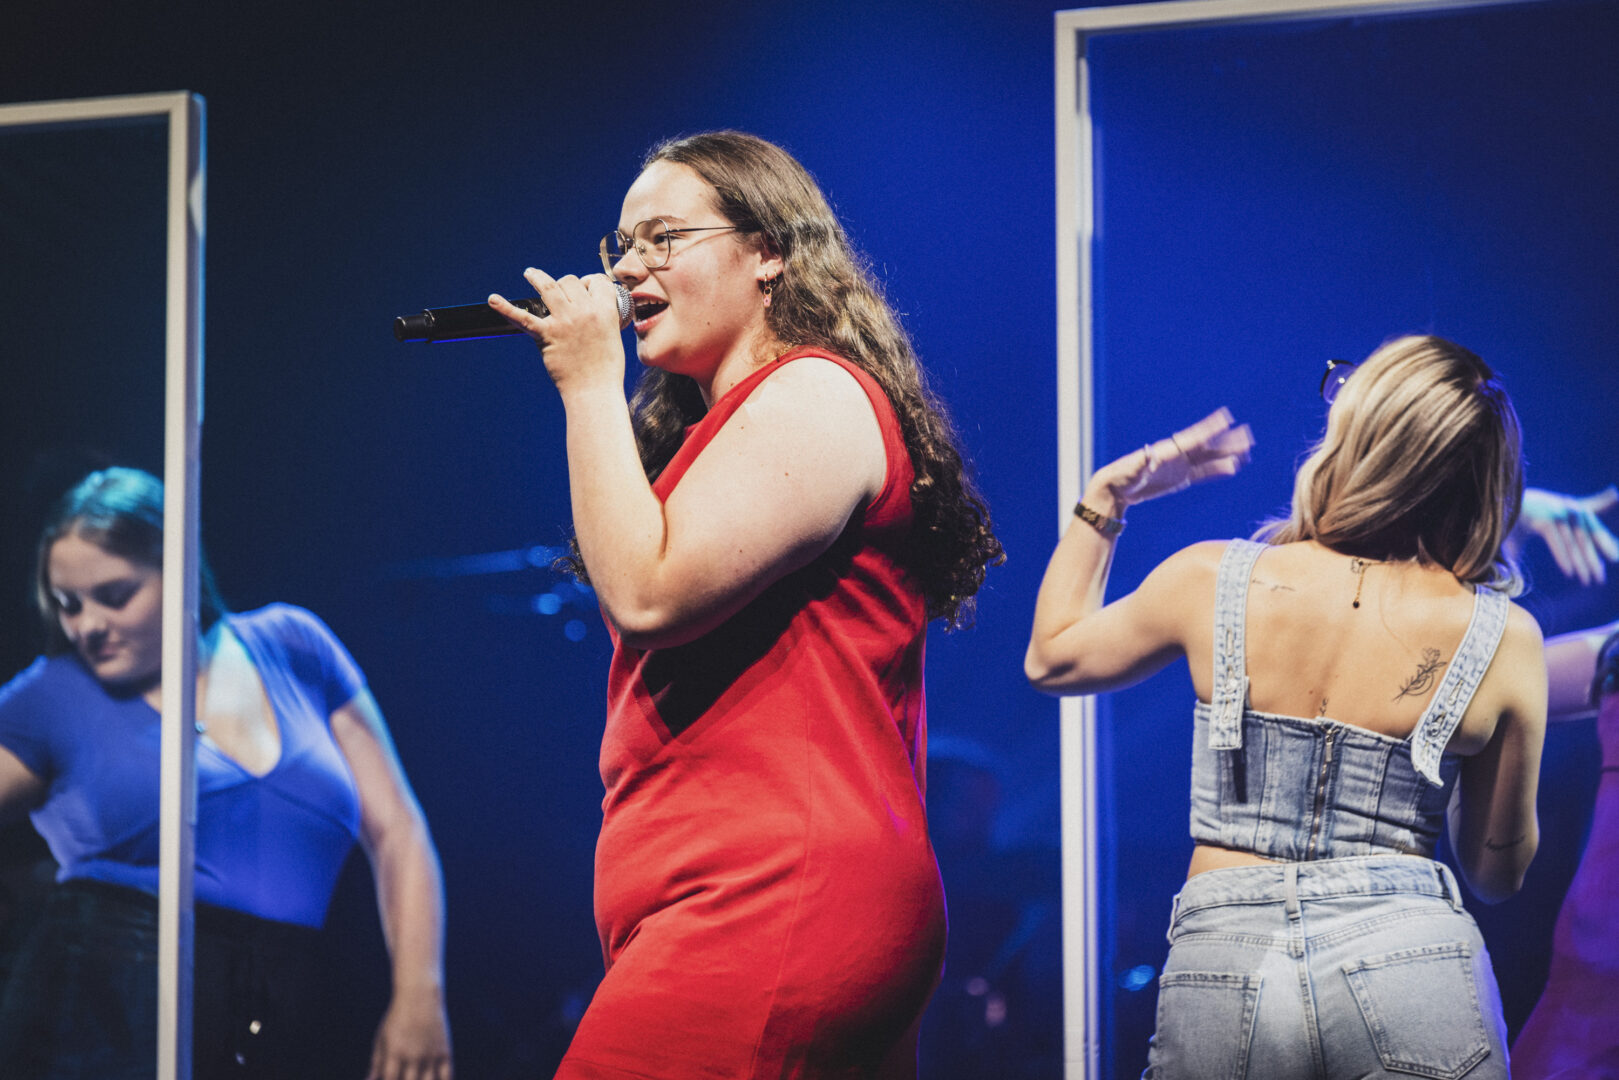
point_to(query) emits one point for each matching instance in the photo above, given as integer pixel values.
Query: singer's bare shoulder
(774, 488)
(814, 410)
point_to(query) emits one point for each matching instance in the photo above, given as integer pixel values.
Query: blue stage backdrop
(366, 160)
(1274, 196)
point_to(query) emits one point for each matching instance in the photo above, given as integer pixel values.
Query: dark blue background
(366, 160)
(1273, 196)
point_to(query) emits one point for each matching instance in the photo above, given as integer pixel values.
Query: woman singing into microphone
(769, 524)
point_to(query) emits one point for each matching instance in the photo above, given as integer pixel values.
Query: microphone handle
(466, 322)
(469, 322)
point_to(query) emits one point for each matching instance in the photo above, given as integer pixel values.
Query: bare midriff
(1210, 857)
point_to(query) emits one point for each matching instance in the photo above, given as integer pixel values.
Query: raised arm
(772, 491)
(1493, 828)
(413, 1039)
(1078, 646)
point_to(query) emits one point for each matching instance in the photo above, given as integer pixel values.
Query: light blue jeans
(1357, 967)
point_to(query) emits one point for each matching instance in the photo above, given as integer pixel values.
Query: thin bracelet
(1107, 526)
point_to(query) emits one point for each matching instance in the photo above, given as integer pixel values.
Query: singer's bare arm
(772, 491)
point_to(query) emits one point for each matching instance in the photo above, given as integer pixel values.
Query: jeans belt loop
(1448, 887)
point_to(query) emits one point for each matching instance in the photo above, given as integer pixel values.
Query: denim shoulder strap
(1461, 680)
(1230, 695)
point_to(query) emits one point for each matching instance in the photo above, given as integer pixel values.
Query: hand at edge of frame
(1573, 530)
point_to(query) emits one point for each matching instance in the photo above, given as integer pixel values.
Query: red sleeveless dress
(767, 897)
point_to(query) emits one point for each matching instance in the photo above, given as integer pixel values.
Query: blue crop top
(1291, 788)
(270, 846)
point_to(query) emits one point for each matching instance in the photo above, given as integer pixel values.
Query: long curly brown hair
(826, 298)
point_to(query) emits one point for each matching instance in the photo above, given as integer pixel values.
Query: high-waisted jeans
(1357, 967)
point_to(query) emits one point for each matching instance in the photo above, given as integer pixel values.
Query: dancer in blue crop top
(294, 765)
(1357, 674)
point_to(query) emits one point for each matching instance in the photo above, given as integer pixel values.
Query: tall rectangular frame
(1076, 193)
(182, 440)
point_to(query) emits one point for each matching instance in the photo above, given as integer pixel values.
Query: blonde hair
(1421, 460)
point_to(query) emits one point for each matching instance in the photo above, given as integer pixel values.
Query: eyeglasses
(650, 240)
(1333, 379)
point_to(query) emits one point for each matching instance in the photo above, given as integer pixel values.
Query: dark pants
(81, 1003)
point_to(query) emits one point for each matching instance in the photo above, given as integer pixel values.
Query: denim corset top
(1291, 788)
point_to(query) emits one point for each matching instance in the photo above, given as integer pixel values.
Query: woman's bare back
(1312, 652)
(1349, 641)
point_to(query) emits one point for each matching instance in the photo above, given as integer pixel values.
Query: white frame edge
(1076, 449)
(181, 445)
(1077, 715)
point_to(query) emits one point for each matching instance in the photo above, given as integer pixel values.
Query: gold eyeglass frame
(615, 240)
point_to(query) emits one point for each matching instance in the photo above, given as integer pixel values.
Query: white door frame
(1076, 193)
(182, 431)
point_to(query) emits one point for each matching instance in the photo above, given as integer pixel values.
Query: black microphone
(470, 321)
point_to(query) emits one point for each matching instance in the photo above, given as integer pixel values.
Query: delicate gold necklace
(1357, 566)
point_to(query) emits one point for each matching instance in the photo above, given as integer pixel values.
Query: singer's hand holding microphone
(579, 334)
(500, 317)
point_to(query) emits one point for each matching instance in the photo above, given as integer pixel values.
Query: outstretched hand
(1079, 646)
(1209, 448)
(1574, 533)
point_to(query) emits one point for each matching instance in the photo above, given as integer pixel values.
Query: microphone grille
(626, 306)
